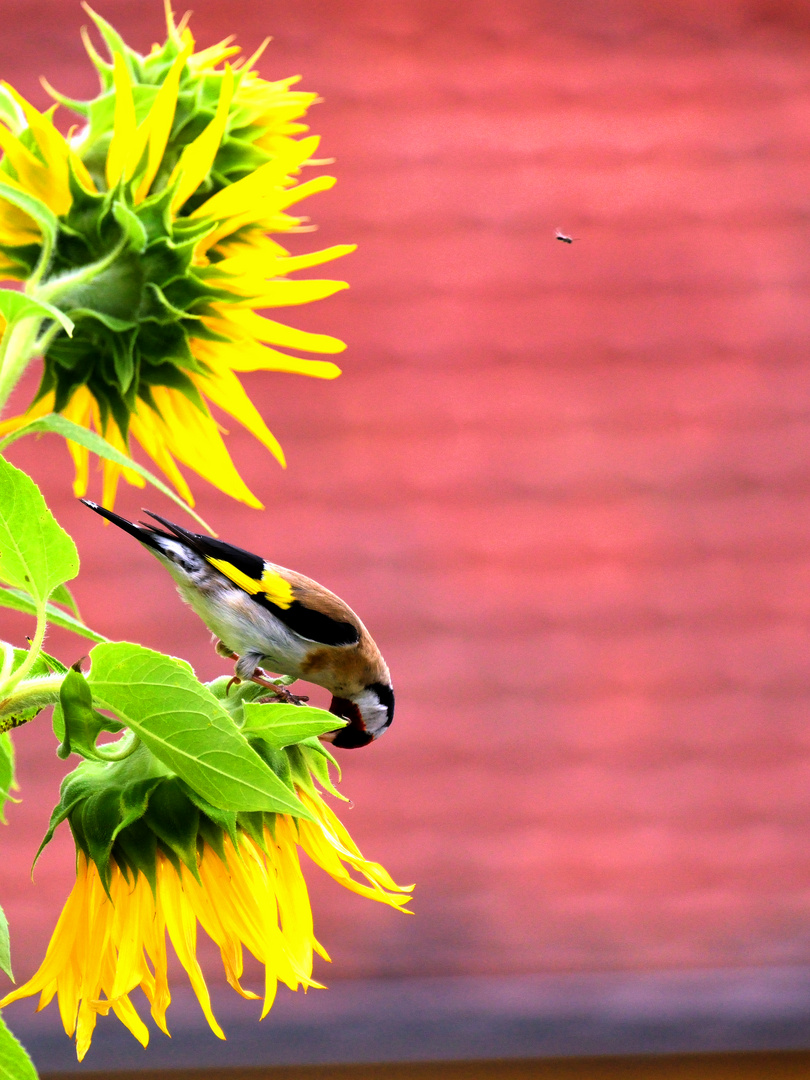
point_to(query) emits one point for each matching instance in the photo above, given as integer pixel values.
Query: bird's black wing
(266, 587)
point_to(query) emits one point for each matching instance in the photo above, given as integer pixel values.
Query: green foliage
(131, 808)
(62, 595)
(49, 225)
(36, 555)
(15, 306)
(192, 764)
(102, 798)
(280, 725)
(5, 946)
(18, 600)
(310, 761)
(82, 724)
(123, 272)
(27, 698)
(15, 1064)
(6, 772)
(60, 425)
(186, 728)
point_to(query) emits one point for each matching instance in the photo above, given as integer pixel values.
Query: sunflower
(149, 229)
(244, 888)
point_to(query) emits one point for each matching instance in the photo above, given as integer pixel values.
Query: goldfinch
(265, 615)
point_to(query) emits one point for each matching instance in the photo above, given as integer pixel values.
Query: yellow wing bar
(275, 588)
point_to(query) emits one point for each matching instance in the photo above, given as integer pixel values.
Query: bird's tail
(146, 534)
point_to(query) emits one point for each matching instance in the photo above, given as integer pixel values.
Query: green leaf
(34, 207)
(82, 723)
(233, 697)
(137, 844)
(175, 820)
(19, 600)
(281, 724)
(305, 762)
(131, 777)
(6, 772)
(131, 226)
(36, 554)
(60, 425)
(186, 728)
(318, 759)
(49, 224)
(28, 698)
(5, 946)
(97, 817)
(16, 305)
(62, 595)
(15, 1064)
(55, 665)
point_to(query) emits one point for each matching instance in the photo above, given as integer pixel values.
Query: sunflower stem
(8, 661)
(34, 650)
(44, 341)
(122, 748)
(33, 693)
(58, 287)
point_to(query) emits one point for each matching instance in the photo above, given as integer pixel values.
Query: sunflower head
(149, 231)
(155, 859)
(262, 115)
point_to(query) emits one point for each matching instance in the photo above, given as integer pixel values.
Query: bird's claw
(281, 694)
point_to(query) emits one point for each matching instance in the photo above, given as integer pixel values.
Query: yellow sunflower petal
(194, 439)
(241, 322)
(158, 124)
(16, 227)
(125, 1011)
(60, 945)
(256, 56)
(51, 143)
(32, 175)
(147, 435)
(158, 994)
(124, 125)
(257, 185)
(287, 264)
(41, 408)
(224, 389)
(79, 410)
(182, 928)
(198, 157)
(303, 191)
(246, 355)
(283, 293)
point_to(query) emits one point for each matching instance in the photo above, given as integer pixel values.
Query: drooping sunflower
(149, 228)
(172, 865)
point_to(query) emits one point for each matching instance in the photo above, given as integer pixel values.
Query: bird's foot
(222, 650)
(247, 671)
(283, 695)
(280, 693)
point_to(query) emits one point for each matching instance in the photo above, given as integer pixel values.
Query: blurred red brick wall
(566, 486)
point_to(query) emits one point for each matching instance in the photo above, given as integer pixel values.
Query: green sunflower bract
(148, 229)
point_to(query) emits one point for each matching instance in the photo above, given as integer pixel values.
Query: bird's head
(369, 713)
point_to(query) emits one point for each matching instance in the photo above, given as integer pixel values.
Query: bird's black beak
(354, 734)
